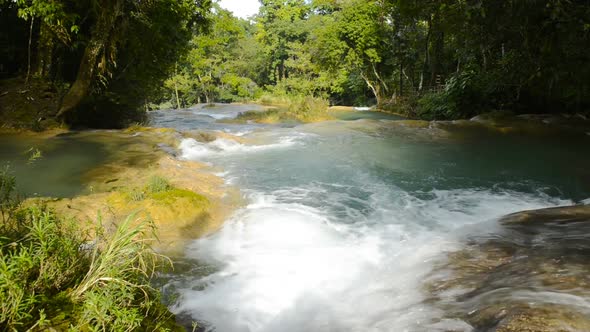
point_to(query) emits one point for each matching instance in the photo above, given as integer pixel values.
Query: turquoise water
(346, 220)
(68, 162)
(60, 170)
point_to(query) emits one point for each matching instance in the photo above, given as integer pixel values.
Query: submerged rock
(492, 117)
(531, 275)
(414, 129)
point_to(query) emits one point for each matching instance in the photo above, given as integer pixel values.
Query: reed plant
(54, 276)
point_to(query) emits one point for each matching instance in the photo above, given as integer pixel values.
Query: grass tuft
(158, 184)
(291, 109)
(53, 278)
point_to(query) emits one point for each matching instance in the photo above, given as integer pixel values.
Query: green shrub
(274, 99)
(292, 108)
(465, 95)
(8, 200)
(39, 261)
(268, 116)
(52, 277)
(308, 109)
(436, 106)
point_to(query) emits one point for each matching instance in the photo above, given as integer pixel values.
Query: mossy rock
(140, 129)
(173, 195)
(567, 214)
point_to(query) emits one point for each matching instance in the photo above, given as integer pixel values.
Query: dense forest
(426, 59)
(279, 212)
(104, 58)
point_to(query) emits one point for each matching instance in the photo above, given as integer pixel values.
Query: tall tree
(165, 21)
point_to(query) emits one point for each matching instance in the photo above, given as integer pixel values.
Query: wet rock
(195, 204)
(413, 123)
(576, 213)
(575, 122)
(414, 129)
(168, 149)
(492, 118)
(504, 122)
(531, 275)
(546, 319)
(210, 136)
(200, 136)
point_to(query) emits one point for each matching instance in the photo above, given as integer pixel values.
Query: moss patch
(173, 195)
(141, 129)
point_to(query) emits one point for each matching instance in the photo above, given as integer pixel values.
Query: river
(364, 223)
(346, 220)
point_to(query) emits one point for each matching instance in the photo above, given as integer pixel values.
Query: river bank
(125, 193)
(190, 203)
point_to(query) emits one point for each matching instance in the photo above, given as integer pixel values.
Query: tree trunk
(45, 52)
(484, 57)
(29, 50)
(176, 86)
(426, 55)
(103, 30)
(437, 49)
(86, 73)
(177, 99)
(401, 79)
(375, 88)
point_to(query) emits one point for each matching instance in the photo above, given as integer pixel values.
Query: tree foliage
(113, 54)
(436, 59)
(445, 59)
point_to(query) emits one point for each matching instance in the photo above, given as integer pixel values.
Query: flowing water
(346, 220)
(350, 224)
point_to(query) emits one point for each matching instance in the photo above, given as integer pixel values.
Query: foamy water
(330, 241)
(194, 150)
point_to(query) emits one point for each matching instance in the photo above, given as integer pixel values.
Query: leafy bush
(274, 99)
(436, 106)
(308, 109)
(51, 277)
(8, 200)
(292, 108)
(465, 95)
